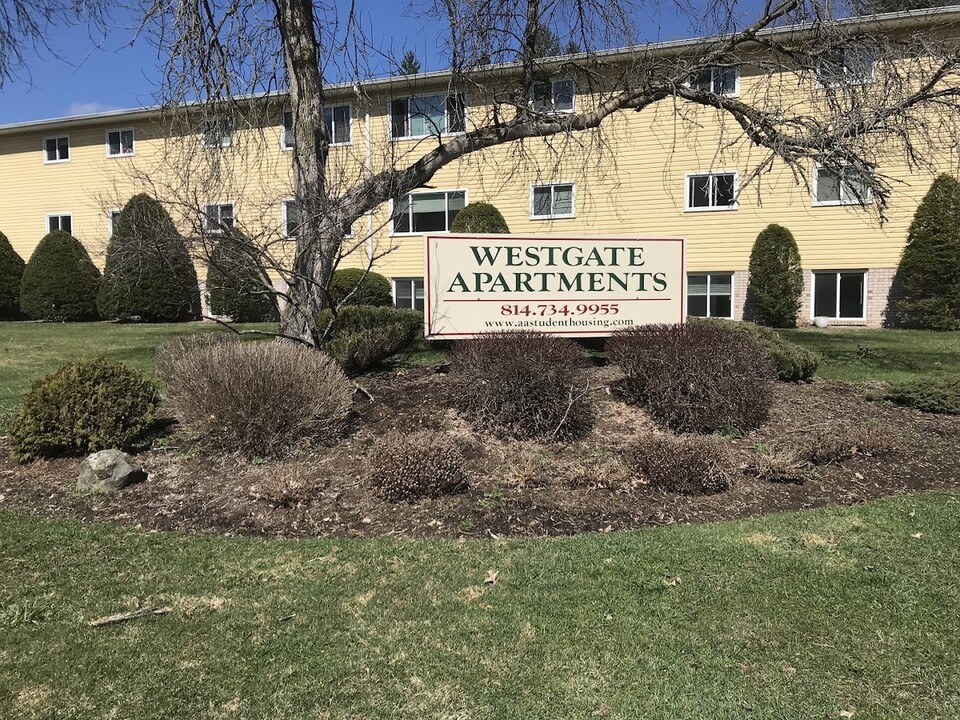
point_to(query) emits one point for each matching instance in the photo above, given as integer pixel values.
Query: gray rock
(109, 470)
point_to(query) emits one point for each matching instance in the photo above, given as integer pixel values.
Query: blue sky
(91, 74)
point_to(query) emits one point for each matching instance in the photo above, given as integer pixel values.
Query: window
(119, 142)
(716, 79)
(112, 217)
(428, 212)
(846, 66)
(840, 188)
(216, 133)
(408, 293)
(426, 115)
(553, 96)
(60, 222)
(335, 117)
(552, 201)
(711, 191)
(56, 149)
(218, 218)
(839, 295)
(710, 295)
(291, 218)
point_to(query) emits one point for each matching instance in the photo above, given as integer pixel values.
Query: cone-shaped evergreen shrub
(367, 288)
(776, 278)
(237, 283)
(929, 272)
(479, 217)
(60, 281)
(11, 271)
(149, 274)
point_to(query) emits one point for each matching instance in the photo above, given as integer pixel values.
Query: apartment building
(669, 170)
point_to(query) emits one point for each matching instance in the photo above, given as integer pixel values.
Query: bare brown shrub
(836, 443)
(409, 466)
(685, 464)
(778, 465)
(257, 399)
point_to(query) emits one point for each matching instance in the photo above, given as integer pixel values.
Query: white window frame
(447, 193)
(725, 273)
(57, 215)
(47, 161)
(553, 95)
(413, 290)
(226, 140)
(206, 218)
(851, 200)
(121, 154)
(713, 71)
(283, 126)
(687, 207)
(283, 211)
(813, 294)
(848, 79)
(553, 215)
(446, 118)
(111, 224)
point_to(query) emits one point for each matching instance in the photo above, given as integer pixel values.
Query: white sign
(577, 287)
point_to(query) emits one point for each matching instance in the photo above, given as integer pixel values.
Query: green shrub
(60, 281)
(935, 395)
(790, 362)
(364, 336)
(353, 286)
(523, 385)
(928, 276)
(11, 272)
(776, 278)
(83, 407)
(259, 399)
(148, 274)
(688, 464)
(237, 283)
(695, 377)
(409, 466)
(479, 217)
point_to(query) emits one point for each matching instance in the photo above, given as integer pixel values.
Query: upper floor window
(716, 79)
(62, 221)
(120, 142)
(846, 66)
(335, 117)
(425, 115)
(217, 218)
(56, 149)
(552, 201)
(553, 95)
(711, 191)
(216, 133)
(428, 212)
(840, 188)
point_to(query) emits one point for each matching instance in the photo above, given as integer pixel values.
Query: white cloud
(89, 108)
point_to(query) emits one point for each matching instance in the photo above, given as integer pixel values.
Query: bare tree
(221, 52)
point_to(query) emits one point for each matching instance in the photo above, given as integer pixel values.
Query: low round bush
(259, 399)
(410, 466)
(790, 362)
(11, 272)
(83, 407)
(695, 377)
(688, 464)
(60, 281)
(935, 395)
(523, 385)
(237, 283)
(479, 217)
(353, 286)
(364, 336)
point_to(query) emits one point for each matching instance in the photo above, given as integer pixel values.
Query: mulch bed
(516, 488)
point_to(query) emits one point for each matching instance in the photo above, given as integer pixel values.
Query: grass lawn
(805, 615)
(859, 355)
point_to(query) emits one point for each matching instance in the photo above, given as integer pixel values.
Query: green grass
(29, 351)
(859, 355)
(800, 616)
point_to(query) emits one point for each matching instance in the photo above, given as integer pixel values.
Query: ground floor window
(710, 295)
(840, 295)
(60, 222)
(408, 293)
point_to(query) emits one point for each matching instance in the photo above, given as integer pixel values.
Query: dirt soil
(516, 488)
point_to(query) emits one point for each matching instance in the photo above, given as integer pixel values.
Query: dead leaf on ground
(917, 536)
(674, 583)
(491, 578)
(846, 713)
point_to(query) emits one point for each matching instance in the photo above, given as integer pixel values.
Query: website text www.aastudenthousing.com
(561, 323)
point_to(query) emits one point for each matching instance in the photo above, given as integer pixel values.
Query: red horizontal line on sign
(567, 300)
